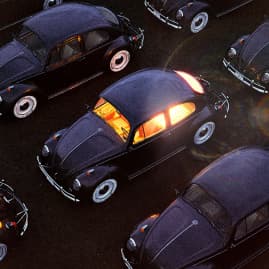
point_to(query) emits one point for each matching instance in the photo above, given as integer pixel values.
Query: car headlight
(45, 151)
(131, 244)
(76, 185)
(1, 99)
(179, 14)
(232, 53)
(265, 77)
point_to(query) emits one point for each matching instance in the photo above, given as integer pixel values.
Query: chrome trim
(161, 17)
(125, 260)
(58, 187)
(247, 81)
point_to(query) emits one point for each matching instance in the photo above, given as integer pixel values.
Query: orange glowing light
(192, 81)
(181, 111)
(1, 224)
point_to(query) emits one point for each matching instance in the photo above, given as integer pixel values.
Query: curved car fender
(121, 42)
(93, 176)
(12, 93)
(193, 8)
(204, 115)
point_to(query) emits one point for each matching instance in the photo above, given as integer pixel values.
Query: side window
(150, 128)
(66, 52)
(179, 112)
(252, 222)
(95, 38)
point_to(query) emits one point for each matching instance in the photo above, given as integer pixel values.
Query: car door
(221, 7)
(63, 68)
(250, 238)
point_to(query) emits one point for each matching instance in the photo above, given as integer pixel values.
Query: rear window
(208, 207)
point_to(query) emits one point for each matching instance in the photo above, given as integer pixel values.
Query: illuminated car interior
(113, 118)
(158, 123)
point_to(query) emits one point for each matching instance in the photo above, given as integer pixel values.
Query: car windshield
(113, 118)
(32, 42)
(215, 213)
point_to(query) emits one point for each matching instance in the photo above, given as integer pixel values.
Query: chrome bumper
(249, 82)
(125, 260)
(59, 188)
(161, 17)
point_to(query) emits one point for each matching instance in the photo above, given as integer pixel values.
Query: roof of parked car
(58, 23)
(141, 95)
(239, 181)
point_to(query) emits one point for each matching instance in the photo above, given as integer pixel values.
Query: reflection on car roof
(63, 21)
(239, 181)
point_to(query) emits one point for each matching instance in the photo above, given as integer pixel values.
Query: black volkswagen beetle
(59, 49)
(138, 122)
(191, 14)
(220, 222)
(247, 59)
(13, 218)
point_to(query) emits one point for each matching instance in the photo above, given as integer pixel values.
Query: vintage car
(247, 59)
(55, 52)
(13, 218)
(191, 14)
(138, 122)
(219, 222)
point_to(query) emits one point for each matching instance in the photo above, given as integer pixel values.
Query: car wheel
(51, 3)
(104, 190)
(119, 60)
(204, 133)
(3, 251)
(199, 22)
(24, 106)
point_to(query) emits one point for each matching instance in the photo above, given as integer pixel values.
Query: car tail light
(192, 82)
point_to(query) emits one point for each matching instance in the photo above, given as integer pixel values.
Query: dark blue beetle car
(59, 49)
(191, 14)
(219, 222)
(138, 122)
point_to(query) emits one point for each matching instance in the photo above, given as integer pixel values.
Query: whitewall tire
(24, 106)
(119, 60)
(204, 133)
(199, 22)
(3, 251)
(104, 190)
(51, 3)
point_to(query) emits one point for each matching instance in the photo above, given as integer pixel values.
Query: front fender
(92, 177)
(192, 9)
(14, 92)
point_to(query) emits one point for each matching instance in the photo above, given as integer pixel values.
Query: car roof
(58, 23)
(239, 181)
(147, 92)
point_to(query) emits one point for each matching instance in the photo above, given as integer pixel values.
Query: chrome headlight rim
(76, 186)
(131, 245)
(45, 151)
(265, 77)
(179, 15)
(232, 52)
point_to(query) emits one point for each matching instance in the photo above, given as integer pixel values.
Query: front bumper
(161, 17)
(247, 81)
(125, 260)
(58, 187)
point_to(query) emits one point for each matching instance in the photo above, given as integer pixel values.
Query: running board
(75, 85)
(148, 167)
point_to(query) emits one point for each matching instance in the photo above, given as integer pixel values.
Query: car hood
(88, 141)
(16, 62)
(256, 50)
(179, 237)
(168, 8)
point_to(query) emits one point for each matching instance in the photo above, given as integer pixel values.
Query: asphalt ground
(66, 235)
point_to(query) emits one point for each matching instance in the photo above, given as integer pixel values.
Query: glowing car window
(179, 112)
(209, 207)
(150, 128)
(113, 118)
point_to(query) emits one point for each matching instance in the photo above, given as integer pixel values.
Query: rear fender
(192, 9)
